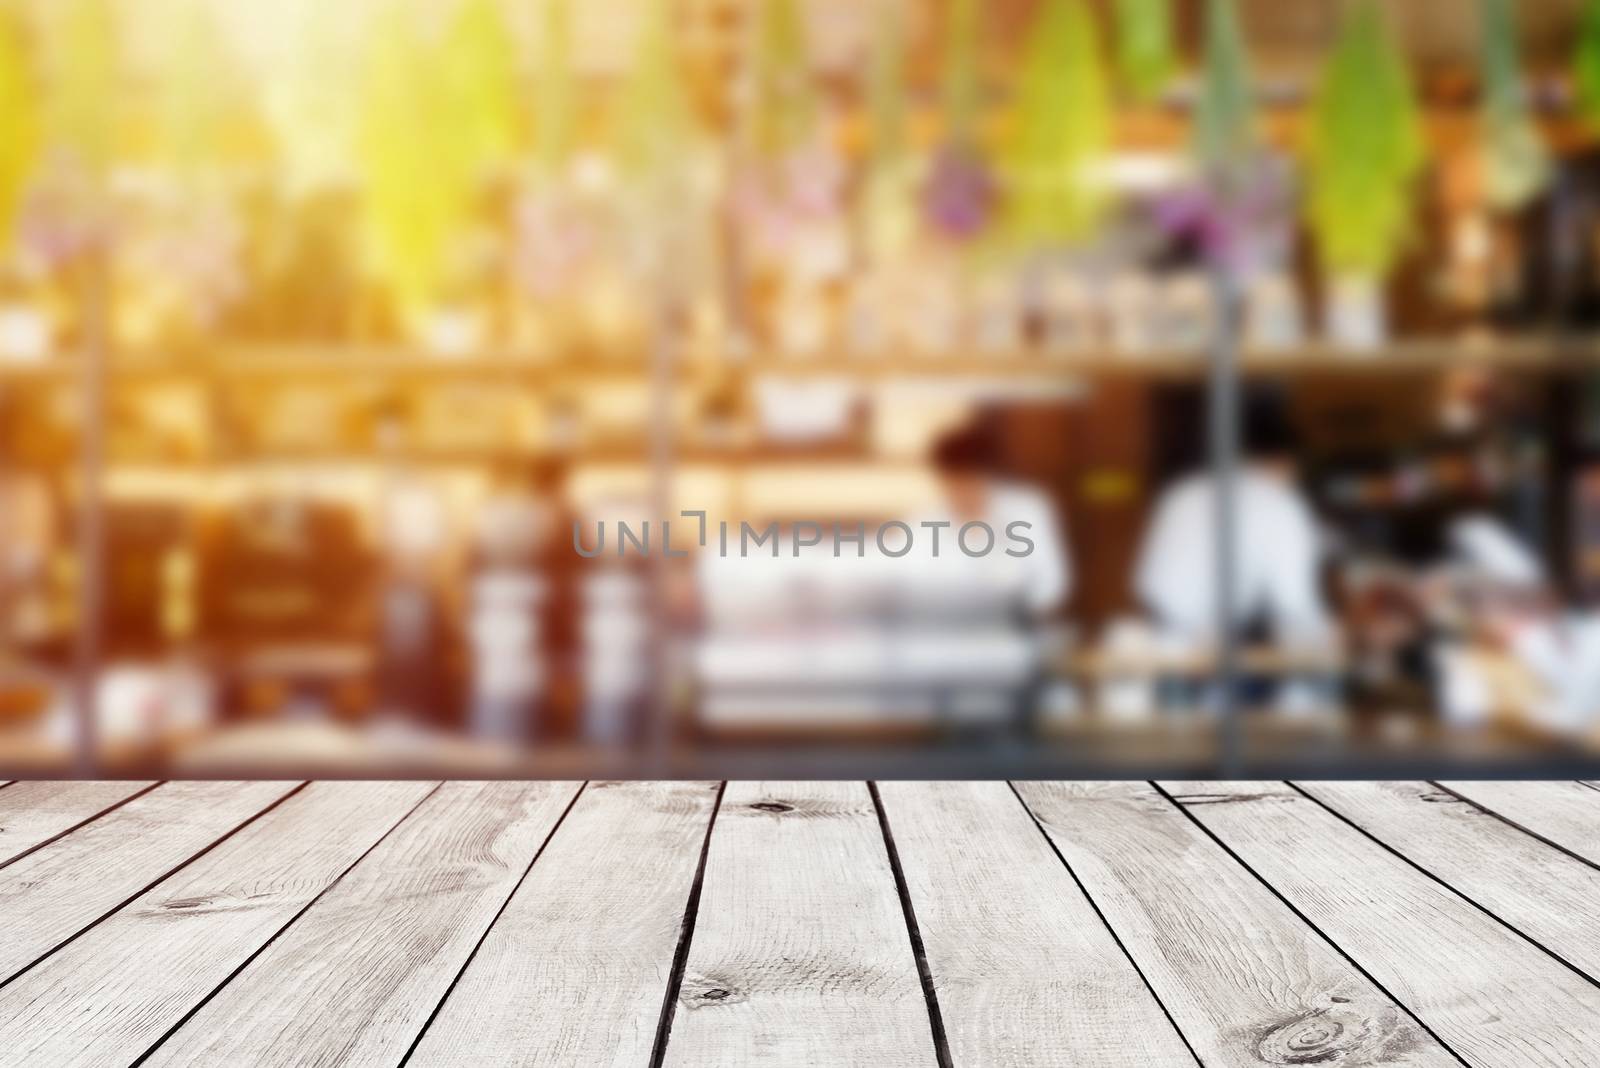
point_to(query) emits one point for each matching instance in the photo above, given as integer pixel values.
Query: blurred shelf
(252, 363)
(1262, 660)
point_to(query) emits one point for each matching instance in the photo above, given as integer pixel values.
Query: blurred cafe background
(324, 327)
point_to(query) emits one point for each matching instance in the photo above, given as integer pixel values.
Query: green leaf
(1364, 148)
(656, 120)
(86, 80)
(199, 93)
(1224, 116)
(478, 66)
(19, 123)
(415, 164)
(784, 109)
(1146, 54)
(1516, 160)
(553, 97)
(1586, 63)
(963, 79)
(886, 208)
(1064, 127)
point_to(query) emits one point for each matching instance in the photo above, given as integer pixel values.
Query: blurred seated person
(1505, 644)
(519, 613)
(1277, 593)
(1277, 569)
(1031, 577)
(1005, 601)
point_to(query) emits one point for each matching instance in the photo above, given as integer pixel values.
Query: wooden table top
(800, 923)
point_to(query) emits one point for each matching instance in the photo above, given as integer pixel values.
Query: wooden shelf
(279, 362)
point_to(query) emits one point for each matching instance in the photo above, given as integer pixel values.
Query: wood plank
(800, 952)
(1492, 997)
(1026, 973)
(1245, 980)
(1566, 813)
(113, 992)
(53, 893)
(575, 970)
(1542, 892)
(353, 981)
(33, 813)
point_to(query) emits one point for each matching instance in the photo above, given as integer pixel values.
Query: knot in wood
(1321, 1036)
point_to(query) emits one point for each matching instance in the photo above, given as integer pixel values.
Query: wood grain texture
(575, 970)
(53, 893)
(1025, 972)
(32, 813)
(800, 952)
(1487, 993)
(1246, 981)
(1542, 892)
(114, 991)
(1566, 813)
(355, 978)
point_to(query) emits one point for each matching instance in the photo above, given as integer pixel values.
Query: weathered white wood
(800, 954)
(1495, 999)
(354, 979)
(575, 970)
(1540, 891)
(53, 893)
(1245, 980)
(32, 813)
(1025, 972)
(1566, 813)
(111, 993)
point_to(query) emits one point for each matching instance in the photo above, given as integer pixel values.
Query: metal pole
(662, 359)
(94, 293)
(1223, 446)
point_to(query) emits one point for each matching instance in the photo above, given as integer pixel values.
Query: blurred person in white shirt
(1028, 568)
(1277, 566)
(992, 558)
(1491, 592)
(1277, 592)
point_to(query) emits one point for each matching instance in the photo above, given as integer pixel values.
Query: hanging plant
(63, 215)
(201, 98)
(1516, 163)
(656, 120)
(478, 75)
(313, 114)
(1146, 54)
(887, 204)
(85, 81)
(784, 111)
(1364, 148)
(553, 98)
(1224, 128)
(553, 233)
(415, 163)
(960, 195)
(19, 125)
(1586, 63)
(792, 186)
(1063, 128)
(1239, 213)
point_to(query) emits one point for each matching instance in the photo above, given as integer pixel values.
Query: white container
(1354, 316)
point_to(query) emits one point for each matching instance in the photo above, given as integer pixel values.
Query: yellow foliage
(19, 123)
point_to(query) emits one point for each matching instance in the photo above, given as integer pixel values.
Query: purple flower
(1241, 221)
(778, 200)
(552, 240)
(960, 195)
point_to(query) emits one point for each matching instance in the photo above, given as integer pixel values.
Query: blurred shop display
(325, 329)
